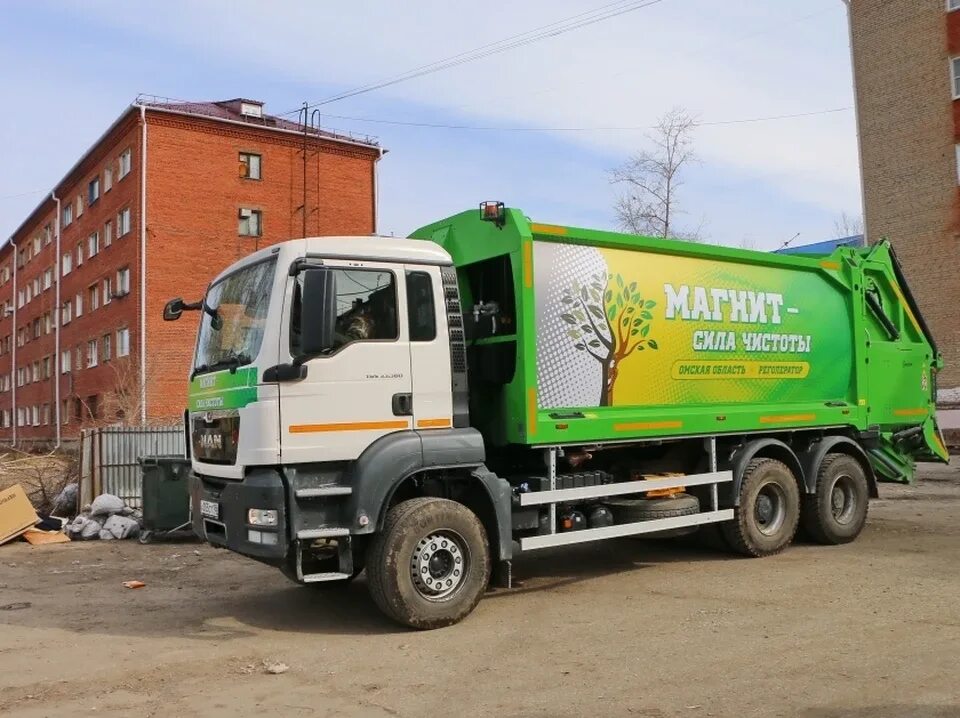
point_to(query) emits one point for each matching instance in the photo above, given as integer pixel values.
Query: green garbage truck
(427, 409)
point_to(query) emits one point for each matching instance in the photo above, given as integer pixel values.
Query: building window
(123, 222)
(93, 353)
(36, 328)
(66, 314)
(94, 296)
(67, 214)
(35, 370)
(93, 191)
(106, 347)
(36, 287)
(79, 205)
(47, 323)
(107, 234)
(47, 279)
(47, 234)
(249, 165)
(78, 303)
(65, 362)
(250, 223)
(65, 412)
(35, 410)
(955, 77)
(37, 245)
(123, 281)
(93, 245)
(123, 342)
(123, 164)
(46, 364)
(6, 418)
(79, 254)
(107, 179)
(46, 414)
(20, 299)
(107, 291)
(66, 263)
(78, 357)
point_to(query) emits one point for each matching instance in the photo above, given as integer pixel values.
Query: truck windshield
(234, 318)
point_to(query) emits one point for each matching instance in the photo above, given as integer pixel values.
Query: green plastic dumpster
(166, 501)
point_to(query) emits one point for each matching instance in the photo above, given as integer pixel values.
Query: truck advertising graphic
(618, 327)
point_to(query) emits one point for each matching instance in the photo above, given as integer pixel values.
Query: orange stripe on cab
(433, 423)
(349, 426)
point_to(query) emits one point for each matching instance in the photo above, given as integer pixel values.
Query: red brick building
(906, 62)
(170, 195)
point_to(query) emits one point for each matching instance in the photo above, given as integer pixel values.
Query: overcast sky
(69, 68)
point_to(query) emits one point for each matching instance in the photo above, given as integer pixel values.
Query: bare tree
(847, 225)
(652, 178)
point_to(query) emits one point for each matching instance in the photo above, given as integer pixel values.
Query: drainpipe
(376, 193)
(143, 264)
(56, 325)
(856, 119)
(13, 343)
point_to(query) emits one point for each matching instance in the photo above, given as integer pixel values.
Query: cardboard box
(36, 537)
(16, 513)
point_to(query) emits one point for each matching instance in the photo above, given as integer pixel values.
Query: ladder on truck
(553, 496)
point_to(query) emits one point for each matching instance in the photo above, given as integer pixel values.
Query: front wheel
(430, 565)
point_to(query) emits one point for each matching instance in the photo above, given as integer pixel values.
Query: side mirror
(173, 310)
(318, 310)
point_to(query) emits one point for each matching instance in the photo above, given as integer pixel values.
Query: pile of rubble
(107, 518)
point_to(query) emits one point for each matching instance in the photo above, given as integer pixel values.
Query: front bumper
(260, 489)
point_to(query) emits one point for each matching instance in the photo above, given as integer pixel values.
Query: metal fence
(110, 458)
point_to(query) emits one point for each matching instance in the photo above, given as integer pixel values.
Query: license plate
(209, 509)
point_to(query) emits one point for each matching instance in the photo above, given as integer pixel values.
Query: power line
(559, 27)
(688, 53)
(481, 128)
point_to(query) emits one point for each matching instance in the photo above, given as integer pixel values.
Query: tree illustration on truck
(609, 320)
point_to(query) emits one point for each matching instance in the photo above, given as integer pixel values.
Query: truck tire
(430, 564)
(627, 511)
(837, 511)
(766, 519)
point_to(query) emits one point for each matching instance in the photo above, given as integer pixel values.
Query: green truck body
(598, 336)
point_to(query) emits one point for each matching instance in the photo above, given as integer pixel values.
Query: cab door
(361, 389)
(429, 348)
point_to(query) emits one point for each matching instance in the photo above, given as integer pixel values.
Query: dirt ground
(628, 628)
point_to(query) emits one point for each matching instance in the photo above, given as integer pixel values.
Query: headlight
(262, 517)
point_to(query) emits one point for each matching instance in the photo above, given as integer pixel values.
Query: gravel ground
(626, 628)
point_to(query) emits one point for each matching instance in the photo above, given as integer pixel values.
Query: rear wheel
(430, 565)
(837, 511)
(766, 520)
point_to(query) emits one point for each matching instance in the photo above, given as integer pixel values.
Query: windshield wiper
(230, 361)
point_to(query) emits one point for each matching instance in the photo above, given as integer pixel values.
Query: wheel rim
(770, 509)
(439, 565)
(843, 499)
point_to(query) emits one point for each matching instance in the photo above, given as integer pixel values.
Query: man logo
(211, 442)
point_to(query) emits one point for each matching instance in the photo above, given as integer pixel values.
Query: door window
(366, 308)
(420, 311)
